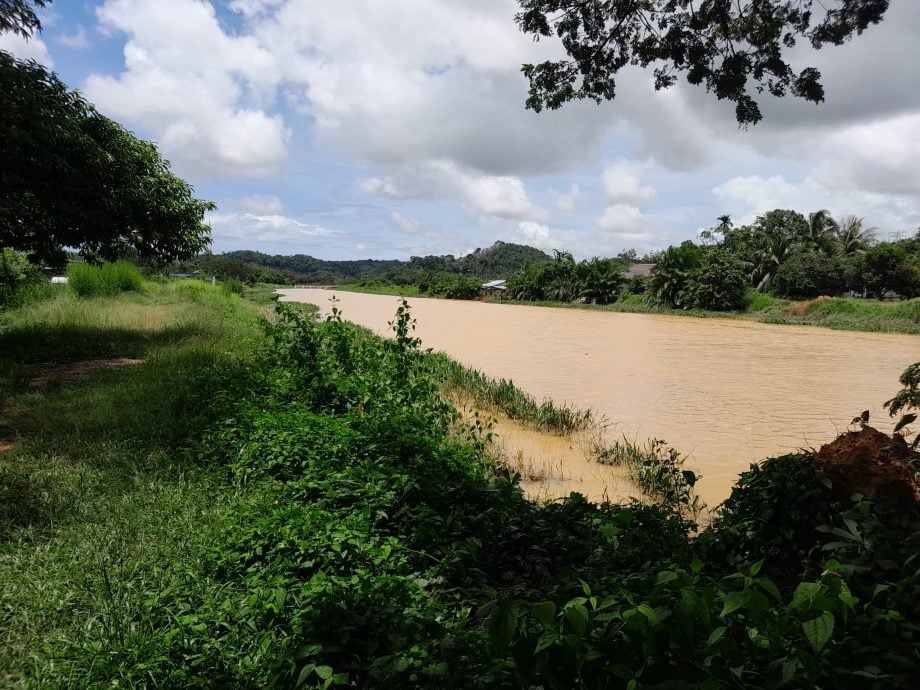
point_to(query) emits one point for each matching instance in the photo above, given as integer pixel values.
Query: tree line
(783, 253)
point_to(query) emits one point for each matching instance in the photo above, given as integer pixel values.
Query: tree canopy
(72, 178)
(19, 16)
(731, 47)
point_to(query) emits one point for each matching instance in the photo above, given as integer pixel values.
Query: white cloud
(746, 197)
(623, 184)
(77, 40)
(541, 236)
(201, 92)
(26, 49)
(625, 222)
(384, 186)
(504, 196)
(261, 203)
(568, 201)
(264, 228)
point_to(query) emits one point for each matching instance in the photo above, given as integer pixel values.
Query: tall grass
(503, 395)
(106, 280)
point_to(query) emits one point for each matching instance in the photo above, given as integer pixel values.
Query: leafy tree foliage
(809, 274)
(670, 279)
(72, 178)
(730, 47)
(19, 16)
(884, 268)
(852, 237)
(719, 284)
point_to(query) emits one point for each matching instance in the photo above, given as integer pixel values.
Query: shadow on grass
(89, 440)
(42, 343)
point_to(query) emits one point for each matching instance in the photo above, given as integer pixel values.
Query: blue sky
(384, 130)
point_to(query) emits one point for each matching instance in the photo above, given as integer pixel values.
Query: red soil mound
(870, 462)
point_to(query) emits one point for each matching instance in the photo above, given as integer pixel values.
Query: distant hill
(497, 261)
(304, 265)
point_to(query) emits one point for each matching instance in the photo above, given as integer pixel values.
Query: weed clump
(104, 281)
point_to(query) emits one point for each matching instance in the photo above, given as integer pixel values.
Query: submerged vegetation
(292, 506)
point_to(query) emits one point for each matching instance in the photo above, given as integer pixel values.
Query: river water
(726, 392)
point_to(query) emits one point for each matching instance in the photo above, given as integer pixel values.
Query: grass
(491, 394)
(105, 280)
(847, 314)
(100, 501)
(395, 290)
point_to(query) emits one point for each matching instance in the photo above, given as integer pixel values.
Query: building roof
(642, 270)
(495, 285)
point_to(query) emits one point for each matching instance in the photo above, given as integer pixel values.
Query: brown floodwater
(726, 392)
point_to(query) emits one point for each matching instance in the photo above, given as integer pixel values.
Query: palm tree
(772, 251)
(822, 229)
(852, 237)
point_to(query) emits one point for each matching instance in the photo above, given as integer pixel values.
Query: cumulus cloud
(623, 184)
(201, 92)
(626, 223)
(272, 228)
(26, 49)
(541, 236)
(261, 203)
(78, 40)
(746, 197)
(567, 202)
(504, 196)
(406, 82)
(412, 226)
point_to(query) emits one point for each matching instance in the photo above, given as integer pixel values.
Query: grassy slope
(100, 505)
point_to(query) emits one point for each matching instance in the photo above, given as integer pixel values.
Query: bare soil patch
(870, 462)
(48, 374)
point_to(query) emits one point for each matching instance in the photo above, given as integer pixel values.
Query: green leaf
(733, 602)
(755, 569)
(324, 672)
(577, 615)
(648, 612)
(805, 593)
(545, 612)
(819, 630)
(716, 635)
(666, 576)
(546, 640)
(766, 584)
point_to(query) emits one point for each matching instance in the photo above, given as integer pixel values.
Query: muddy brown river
(725, 392)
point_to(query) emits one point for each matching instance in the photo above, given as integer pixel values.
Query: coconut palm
(821, 231)
(852, 237)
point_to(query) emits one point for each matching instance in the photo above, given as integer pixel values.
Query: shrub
(16, 275)
(106, 280)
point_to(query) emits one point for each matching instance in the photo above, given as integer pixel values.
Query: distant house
(494, 286)
(639, 271)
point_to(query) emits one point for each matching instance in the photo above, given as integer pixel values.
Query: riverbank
(293, 504)
(838, 313)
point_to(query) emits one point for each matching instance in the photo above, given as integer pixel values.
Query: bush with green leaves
(16, 274)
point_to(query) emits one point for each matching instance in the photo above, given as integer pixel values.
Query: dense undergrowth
(326, 520)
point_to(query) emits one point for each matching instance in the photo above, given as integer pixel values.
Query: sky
(368, 129)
